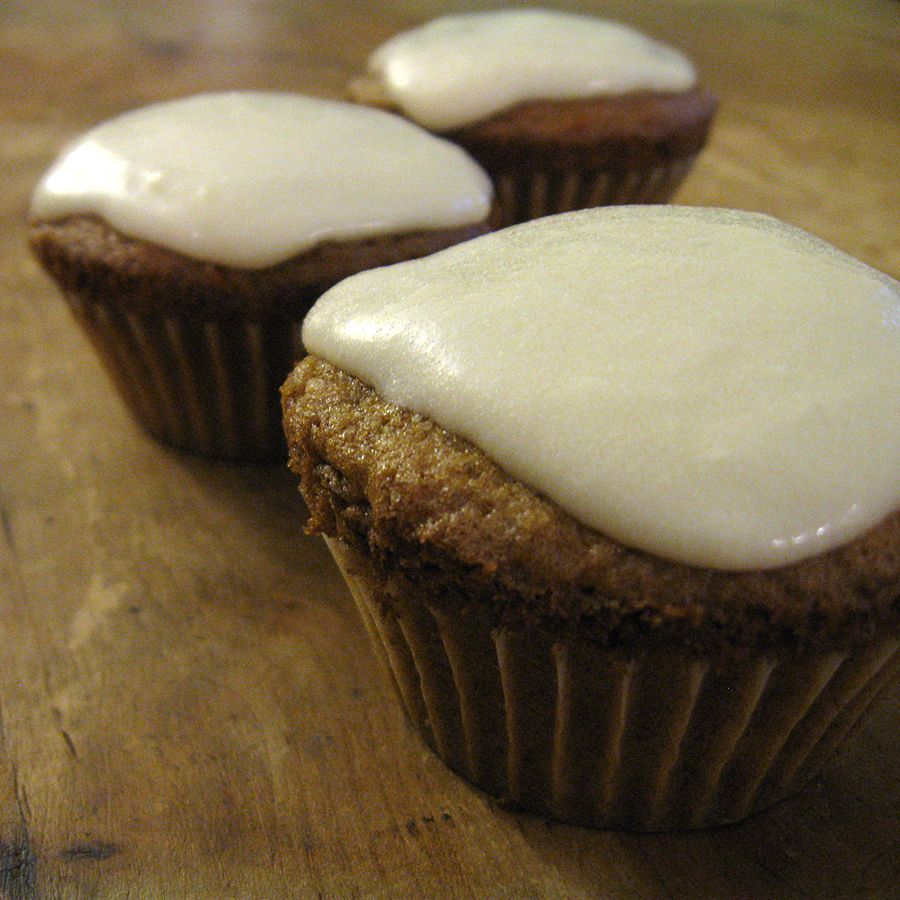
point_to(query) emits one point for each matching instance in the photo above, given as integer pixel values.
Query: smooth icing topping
(460, 69)
(712, 386)
(250, 179)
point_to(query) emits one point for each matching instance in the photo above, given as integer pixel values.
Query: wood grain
(188, 706)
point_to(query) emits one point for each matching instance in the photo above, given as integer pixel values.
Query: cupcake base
(207, 385)
(525, 194)
(653, 740)
(198, 350)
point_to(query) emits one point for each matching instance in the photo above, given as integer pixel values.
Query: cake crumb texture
(412, 496)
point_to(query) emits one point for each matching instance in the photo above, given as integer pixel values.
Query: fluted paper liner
(208, 385)
(524, 194)
(656, 740)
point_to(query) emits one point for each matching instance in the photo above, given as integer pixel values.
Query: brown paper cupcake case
(656, 740)
(524, 194)
(201, 383)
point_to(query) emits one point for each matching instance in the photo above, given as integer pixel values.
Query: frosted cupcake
(611, 573)
(191, 237)
(564, 111)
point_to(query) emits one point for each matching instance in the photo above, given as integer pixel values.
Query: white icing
(250, 179)
(711, 386)
(460, 69)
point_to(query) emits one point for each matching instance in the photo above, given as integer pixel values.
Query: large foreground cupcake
(564, 111)
(191, 237)
(616, 493)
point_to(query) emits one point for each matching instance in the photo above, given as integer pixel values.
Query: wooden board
(188, 706)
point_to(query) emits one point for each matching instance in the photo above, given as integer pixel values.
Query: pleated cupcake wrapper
(205, 385)
(658, 740)
(525, 194)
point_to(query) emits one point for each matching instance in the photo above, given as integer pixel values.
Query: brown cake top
(88, 257)
(630, 129)
(417, 498)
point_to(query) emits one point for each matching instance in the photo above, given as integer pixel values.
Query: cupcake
(631, 558)
(564, 111)
(190, 238)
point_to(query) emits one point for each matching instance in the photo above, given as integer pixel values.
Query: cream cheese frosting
(460, 69)
(711, 386)
(249, 179)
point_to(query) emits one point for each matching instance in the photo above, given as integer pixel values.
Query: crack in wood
(6, 526)
(17, 871)
(70, 744)
(99, 850)
(18, 863)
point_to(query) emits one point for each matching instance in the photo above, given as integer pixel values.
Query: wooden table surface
(188, 707)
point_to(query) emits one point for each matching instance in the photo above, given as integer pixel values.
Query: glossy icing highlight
(711, 386)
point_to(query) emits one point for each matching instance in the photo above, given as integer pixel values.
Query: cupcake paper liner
(208, 385)
(524, 194)
(658, 739)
